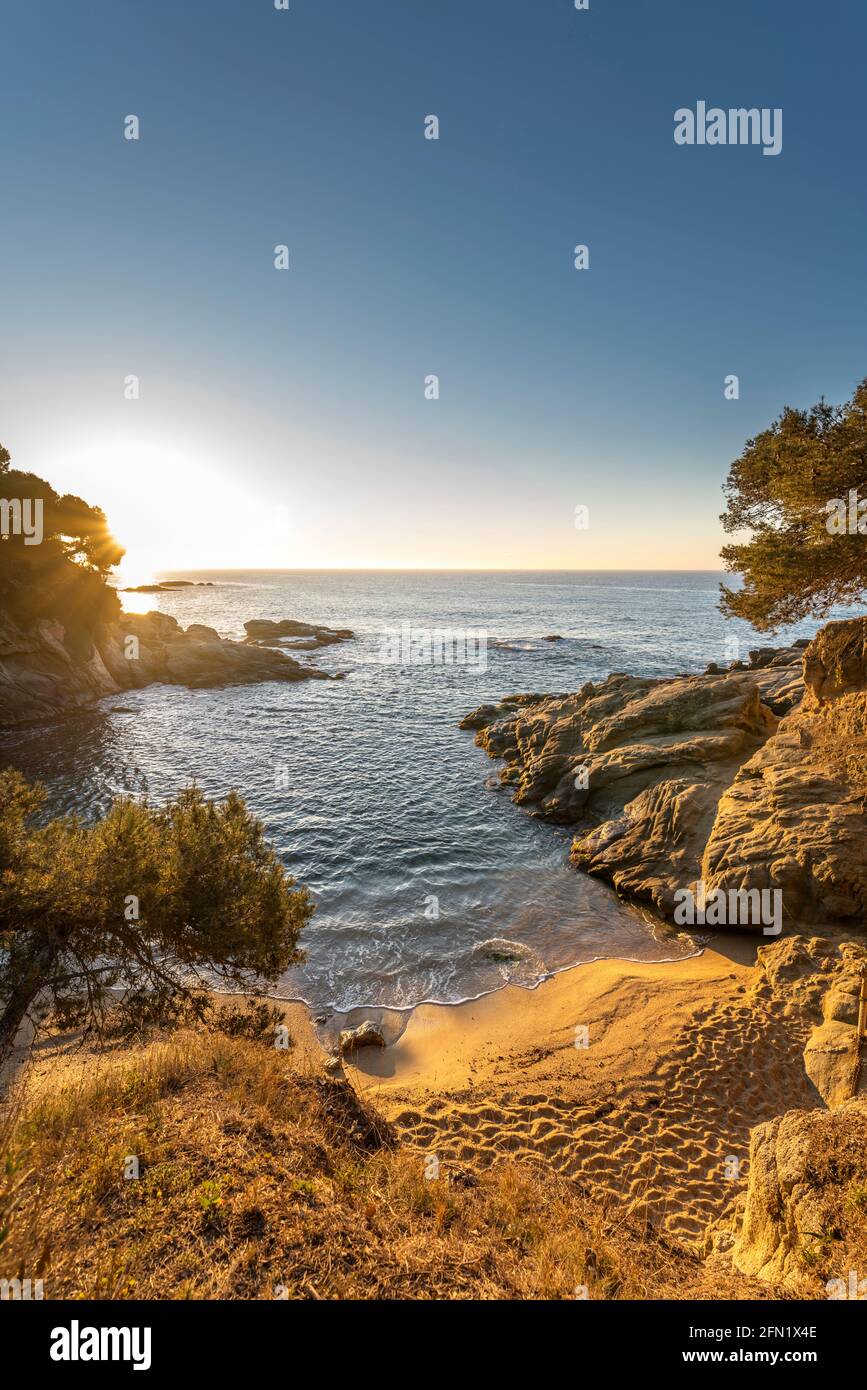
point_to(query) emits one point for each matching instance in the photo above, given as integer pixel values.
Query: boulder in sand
(367, 1034)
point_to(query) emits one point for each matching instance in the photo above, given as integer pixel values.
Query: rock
(798, 971)
(652, 850)
(840, 1004)
(553, 637)
(831, 1056)
(42, 677)
(266, 633)
(484, 715)
(333, 1064)
(793, 818)
(803, 1223)
(203, 659)
(367, 1034)
(831, 1061)
(487, 714)
(502, 952)
(736, 778)
(762, 656)
(781, 689)
(167, 586)
(835, 662)
(638, 763)
(817, 983)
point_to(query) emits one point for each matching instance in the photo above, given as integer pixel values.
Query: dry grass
(836, 1175)
(258, 1181)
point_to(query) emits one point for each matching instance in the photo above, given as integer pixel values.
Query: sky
(282, 419)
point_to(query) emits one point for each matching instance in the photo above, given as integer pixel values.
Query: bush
(159, 903)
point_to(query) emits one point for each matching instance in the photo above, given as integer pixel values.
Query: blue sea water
(371, 794)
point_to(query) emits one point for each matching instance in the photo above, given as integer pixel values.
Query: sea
(395, 820)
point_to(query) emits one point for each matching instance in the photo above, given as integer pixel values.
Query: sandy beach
(640, 1080)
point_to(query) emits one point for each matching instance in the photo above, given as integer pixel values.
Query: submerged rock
(503, 952)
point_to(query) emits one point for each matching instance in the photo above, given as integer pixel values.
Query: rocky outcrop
(793, 818)
(835, 662)
(735, 779)
(43, 675)
(804, 1221)
(817, 982)
(292, 635)
(638, 764)
(169, 586)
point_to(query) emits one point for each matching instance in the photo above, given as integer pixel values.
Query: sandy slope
(680, 1065)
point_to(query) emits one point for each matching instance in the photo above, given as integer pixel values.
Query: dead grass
(836, 1173)
(257, 1180)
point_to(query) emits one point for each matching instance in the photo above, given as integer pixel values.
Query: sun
(173, 511)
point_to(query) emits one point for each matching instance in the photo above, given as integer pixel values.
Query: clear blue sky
(290, 405)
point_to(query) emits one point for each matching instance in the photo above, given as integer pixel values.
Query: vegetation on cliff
(152, 901)
(798, 487)
(64, 575)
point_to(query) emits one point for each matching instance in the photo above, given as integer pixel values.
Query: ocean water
(371, 794)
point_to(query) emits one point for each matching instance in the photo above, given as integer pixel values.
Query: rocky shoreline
(44, 674)
(750, 778)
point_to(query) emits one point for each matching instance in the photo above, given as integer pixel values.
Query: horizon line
(428, 569)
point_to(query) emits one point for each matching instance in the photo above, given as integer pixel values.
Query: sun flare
(170, 510)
